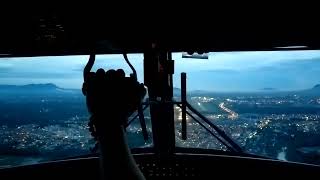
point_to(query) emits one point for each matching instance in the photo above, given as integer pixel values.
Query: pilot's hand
(112, 94)
(111, 98)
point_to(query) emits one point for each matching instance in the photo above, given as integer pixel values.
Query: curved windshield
(43, 115)
(268, 102)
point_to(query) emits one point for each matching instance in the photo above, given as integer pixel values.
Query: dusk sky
(223, 71)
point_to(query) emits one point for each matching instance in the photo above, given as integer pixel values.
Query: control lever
(140, 109)
(133, 75)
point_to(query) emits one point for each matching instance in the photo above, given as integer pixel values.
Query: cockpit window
(268, 102)
(43, 115)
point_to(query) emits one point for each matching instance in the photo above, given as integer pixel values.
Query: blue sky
(223, 71)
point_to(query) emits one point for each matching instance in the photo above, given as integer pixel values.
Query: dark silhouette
(111, 99)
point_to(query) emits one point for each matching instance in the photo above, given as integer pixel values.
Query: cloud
(290, 74)
(37, 75)
(222, 71)
(5, 69)
(293, 65)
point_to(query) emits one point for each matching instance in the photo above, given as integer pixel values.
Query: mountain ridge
(35, 89)
(45, 85)
(317, 86)
(315, 90)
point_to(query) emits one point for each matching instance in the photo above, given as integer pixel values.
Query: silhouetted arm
(116, 159)
(111, 98)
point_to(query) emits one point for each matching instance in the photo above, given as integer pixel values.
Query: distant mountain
(47, 86)
(33, 88)
(176, 91)
(316, 86)
(268, 89)
(52, 88)
(315, 91)
(30, 86)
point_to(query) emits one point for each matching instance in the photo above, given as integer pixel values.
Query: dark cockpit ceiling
(79, 32)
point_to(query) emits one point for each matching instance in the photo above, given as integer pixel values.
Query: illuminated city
(43, 122)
